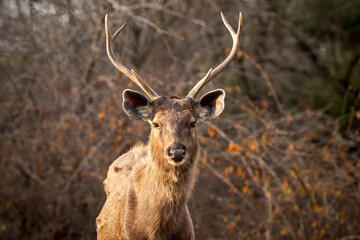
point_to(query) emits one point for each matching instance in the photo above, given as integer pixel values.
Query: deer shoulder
(120, 170)
(148, 188)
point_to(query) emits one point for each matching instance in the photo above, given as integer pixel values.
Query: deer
(148, 188)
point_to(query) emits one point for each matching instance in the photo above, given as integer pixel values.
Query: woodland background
(282, 161)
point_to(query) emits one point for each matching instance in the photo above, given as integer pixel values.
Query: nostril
(183, 154)
(170, 153)
(177, 154)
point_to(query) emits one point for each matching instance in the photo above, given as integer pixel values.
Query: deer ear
(136, 105)
(211, 104)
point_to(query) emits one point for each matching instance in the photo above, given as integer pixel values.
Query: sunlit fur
(147, 196)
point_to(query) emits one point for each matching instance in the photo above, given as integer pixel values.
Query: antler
(213, 73)
(131, 74)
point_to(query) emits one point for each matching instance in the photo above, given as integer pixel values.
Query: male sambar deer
(148, 187)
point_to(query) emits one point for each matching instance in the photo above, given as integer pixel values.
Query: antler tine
(131, 74)
(213, 73)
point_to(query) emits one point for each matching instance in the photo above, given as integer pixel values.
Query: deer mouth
(176, 163)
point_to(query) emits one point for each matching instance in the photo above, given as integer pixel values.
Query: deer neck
(160, 182)
(160, 192)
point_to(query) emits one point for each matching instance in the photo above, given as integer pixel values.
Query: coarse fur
(148, 187)
(146, 195)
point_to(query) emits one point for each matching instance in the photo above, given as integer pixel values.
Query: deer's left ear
(211, 105)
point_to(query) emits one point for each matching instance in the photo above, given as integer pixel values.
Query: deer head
(173, 121)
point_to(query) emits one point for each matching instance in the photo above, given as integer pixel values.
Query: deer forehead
(175, 110)
(174, 117)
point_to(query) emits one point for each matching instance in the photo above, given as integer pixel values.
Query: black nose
(176, 152)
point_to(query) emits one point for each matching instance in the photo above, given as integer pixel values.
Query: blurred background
(282, 161)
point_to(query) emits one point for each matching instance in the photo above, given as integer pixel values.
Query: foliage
(273, 166)
(330, 31)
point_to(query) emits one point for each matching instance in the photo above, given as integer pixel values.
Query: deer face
(173, 121)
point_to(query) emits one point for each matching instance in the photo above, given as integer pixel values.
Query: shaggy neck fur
(164, 191)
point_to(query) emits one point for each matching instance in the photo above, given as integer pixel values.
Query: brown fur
(147, 196)
(148, 187)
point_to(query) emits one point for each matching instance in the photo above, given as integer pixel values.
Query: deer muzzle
(176, 154)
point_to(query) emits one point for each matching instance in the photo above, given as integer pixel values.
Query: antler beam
(213, 73)
(131, 74)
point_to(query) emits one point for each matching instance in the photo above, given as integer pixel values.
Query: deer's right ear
(136, 105)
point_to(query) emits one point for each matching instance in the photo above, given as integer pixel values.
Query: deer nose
(176, 152)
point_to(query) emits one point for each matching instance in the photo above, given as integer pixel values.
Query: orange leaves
(243, 108)
(91, 137)
(227, 51)
(240, 172)
(295, 208)
(285, 230)
(65, 126)
(265, 139)
(291, 147)
(62, 127)
(129, 84)
(358, 115)
(120, 123)
(211, 132)
(204, 161)
(228, 170)
(203, 140)
(318, 209)
(119, 138)
(239, 54)
(234, 148)
(231, 225)
(101, 116)
(285, 187)
(252, 144)
(248, 145)
(7, 104)
(265, 104)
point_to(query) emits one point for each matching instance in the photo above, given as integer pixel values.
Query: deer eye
(192, 124)
(156, 125)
